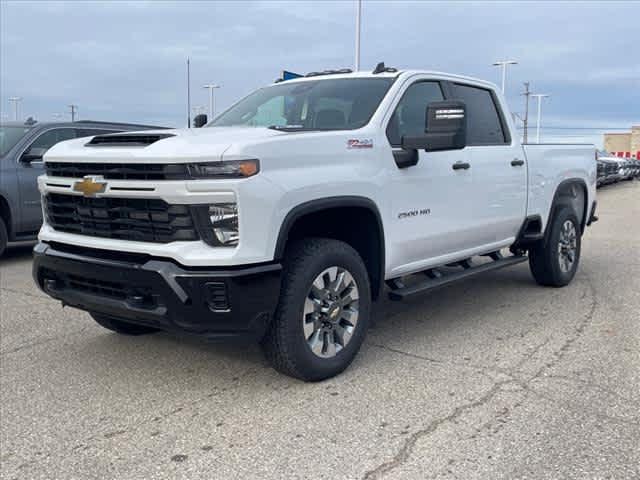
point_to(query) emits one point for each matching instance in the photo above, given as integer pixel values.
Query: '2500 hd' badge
(90, 185)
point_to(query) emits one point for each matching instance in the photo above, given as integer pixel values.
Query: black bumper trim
(160, 292)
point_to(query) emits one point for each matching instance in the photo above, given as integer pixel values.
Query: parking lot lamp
(539, 96)
(503, 64)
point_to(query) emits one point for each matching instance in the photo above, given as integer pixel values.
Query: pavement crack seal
(178, 409)
(578, 331)
(483, 369)
(407, 448)
(409, 444)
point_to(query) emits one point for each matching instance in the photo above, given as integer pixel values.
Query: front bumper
(214, 303)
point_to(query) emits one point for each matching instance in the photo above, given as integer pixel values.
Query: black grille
(143, 220)
(127, 140)
(119, 171)
(96, 286)
(141, 297)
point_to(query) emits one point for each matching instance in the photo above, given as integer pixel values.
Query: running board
(437, 278)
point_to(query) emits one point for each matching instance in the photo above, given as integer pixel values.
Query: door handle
(516, 162)
(461, 166)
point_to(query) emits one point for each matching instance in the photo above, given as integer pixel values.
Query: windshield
(328, 104)
(9, 136)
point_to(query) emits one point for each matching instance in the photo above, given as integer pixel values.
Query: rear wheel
(3, 236)
(122, 327)
(323, 312)
(555, 262)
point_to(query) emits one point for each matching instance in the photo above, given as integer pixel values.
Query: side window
(484, 126)
(408, 119)
(50, 138)
(90, 132)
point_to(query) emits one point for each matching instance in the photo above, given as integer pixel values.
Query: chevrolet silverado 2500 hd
(284, 218)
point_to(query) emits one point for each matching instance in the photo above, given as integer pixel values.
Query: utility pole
(358, 22)
(211, 87)
(188, 94)
(16, 101)
(525, 120)
(74, 110)
(539, 96)
(503, 64)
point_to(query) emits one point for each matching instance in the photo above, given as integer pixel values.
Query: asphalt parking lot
(490, 378)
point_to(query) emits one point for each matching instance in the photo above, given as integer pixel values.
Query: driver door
(431, 202)
(28, 173)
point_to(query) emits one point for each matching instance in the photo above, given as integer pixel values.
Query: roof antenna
(379, 68)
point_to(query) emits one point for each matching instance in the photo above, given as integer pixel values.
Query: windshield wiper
(290, 128)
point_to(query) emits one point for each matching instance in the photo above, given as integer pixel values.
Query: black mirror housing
(200, 120)
(445, 128)
(34, 154)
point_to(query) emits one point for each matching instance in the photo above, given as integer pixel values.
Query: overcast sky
(125, 61)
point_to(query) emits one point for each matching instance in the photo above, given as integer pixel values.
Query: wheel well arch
(573, 193)
(351, 219)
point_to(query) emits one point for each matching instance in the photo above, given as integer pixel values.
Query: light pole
(503, 64)
(358, 22)
(539, 96)
(16, 101)
(527, 94)
(73, 109)
(211, 87)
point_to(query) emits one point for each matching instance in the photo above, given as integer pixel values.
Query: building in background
(626, 145)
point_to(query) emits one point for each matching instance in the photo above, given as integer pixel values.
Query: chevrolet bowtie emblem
(90, 185)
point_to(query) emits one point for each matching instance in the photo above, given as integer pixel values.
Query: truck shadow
(427, 316)
(17, 252)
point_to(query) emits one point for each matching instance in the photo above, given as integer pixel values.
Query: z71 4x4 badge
(359, 143)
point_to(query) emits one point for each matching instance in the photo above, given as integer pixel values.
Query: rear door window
(484, 124)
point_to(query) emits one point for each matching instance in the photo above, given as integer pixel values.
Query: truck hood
(183, 145)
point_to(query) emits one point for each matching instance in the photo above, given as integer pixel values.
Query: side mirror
(33, 154)
(200, 120)
(445, 128)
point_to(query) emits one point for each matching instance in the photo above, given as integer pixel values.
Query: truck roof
(78, 123)
(397, 74)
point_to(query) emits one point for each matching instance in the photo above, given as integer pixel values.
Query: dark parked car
(22, 146)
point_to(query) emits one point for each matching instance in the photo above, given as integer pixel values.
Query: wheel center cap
(333, 312)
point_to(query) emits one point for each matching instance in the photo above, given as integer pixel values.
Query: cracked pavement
(493, 378)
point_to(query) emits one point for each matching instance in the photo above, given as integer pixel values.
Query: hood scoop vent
(131, 140)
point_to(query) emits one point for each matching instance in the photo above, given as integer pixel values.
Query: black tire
(121, 327)
(4, 237)
(544, 258)
(284, 344)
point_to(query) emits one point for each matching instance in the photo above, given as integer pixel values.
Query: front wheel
(323, 313)
(555, 262)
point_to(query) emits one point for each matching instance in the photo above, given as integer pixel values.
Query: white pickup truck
(283, 219)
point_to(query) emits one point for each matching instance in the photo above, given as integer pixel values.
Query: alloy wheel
(330, 312)
(567, 246)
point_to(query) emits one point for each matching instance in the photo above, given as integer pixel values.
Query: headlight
(217, 224)
(229, 169)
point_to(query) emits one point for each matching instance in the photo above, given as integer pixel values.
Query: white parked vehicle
(284, 217)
